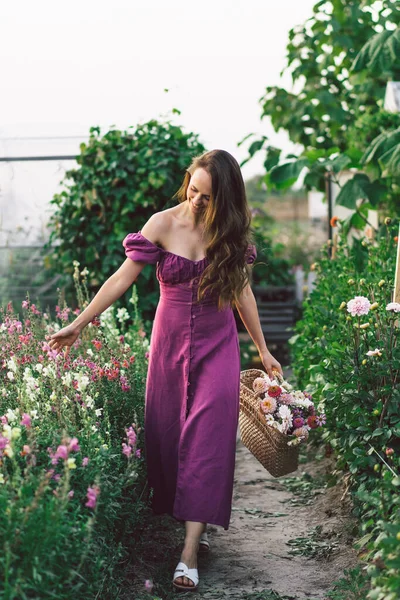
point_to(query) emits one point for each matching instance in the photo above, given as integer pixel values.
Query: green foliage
(380, 53)
(270, 267)
(123, 177)
(320, 55)
(341, 60)
(353, 586)
(359, 393)
(56, 544)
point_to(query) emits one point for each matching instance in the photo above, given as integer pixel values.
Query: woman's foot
(204, 544)
(189, 557)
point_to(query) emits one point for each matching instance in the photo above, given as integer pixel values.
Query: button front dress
(192, 391)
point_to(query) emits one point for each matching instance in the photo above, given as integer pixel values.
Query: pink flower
(26, 420)
(268, 405)
(260, 384)
(138, 453)
(35, 310)
(73, 445)
(4, 420)
(85, 461)
(148, 584)
(131, 434)
(92, 493)
(359, 305)
(298, 422)
(25, 304)
(286, 398)
(97, 344)
(127, 450)
(25, 450)
(301, 432)
(394, 306)
(71, 493)
(320, 419)
(62, 452)
(3, 442)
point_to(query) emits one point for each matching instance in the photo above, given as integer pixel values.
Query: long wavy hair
(227, 226)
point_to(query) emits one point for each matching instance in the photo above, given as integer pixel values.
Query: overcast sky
(67, 66)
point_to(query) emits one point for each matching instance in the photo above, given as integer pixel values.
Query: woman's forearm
(248, 312)
(110, 291)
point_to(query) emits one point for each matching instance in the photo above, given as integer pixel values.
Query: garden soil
(252, 560)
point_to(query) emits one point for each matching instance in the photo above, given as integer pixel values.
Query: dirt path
(252, 560)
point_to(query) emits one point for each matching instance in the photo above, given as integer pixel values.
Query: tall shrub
(122, 178)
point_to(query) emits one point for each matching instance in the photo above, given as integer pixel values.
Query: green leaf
(380, 53)
(285, 175)
(352, 191)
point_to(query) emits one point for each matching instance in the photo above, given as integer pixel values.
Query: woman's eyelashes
(206, 198)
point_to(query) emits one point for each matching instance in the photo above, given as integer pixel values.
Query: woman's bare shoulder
(157, 225)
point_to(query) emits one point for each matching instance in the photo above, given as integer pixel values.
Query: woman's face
(199, 191)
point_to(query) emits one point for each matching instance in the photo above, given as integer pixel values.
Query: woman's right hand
(65, 337)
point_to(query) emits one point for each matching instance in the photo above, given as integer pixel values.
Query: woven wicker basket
(268, 445)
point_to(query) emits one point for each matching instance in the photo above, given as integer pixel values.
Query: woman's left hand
(269, 363)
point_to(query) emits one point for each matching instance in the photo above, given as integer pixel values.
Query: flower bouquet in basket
(274, 419)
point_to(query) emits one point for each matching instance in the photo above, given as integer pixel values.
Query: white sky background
(64, 68)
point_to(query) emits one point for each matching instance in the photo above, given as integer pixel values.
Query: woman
(203, 253)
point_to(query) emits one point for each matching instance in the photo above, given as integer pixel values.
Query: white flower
(94, 428)
(12, 365)
(98, 412)
(39, 367)
(10, 375)
(83, 382)
(34, 413)
(66, 379)
(270, 419)
(89, 351)
(286, 386)
(53, 396)
(89, 402)
(375, 352)
(122, 315)
(12, 415)
(286, 416)
(7, 431)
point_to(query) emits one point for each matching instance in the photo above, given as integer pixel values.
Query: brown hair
(227, 224)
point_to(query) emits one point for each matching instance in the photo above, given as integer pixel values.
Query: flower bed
(72, 473)
(346, 348)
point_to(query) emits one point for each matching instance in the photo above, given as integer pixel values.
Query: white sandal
(204, 544)
(183, 571)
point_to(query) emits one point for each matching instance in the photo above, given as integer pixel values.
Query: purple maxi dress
(192, 391)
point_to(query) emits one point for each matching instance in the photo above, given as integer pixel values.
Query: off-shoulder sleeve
(137, 247)
(251, 254)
